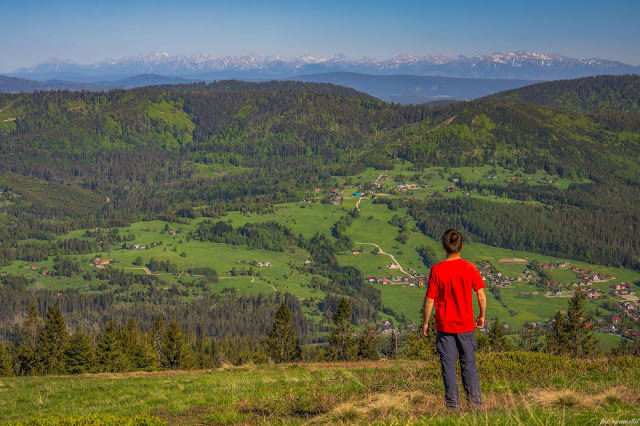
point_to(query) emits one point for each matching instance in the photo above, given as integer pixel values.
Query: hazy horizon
(89, 33)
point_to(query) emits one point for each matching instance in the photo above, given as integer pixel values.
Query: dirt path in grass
(16, 100)
(388, 254)
(358, 203)
(148, 271)
(145, 269)
(253, 280)
(445, 123)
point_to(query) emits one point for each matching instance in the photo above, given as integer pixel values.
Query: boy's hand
(479, 322)
(425, 329)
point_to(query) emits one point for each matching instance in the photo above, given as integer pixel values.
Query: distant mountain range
(515, 65)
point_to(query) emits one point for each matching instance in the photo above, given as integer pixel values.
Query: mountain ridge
(519, 64)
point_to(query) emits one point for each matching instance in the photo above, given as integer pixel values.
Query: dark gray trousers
(449, 345)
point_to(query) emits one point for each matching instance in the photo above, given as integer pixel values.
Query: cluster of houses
(254, 263)
(405, 187)
(418, 280)
(100, 263)
(44, 270)
(622, 289)
(491, 276)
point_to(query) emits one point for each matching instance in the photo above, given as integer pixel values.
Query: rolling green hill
(302, 176)
(612, 92)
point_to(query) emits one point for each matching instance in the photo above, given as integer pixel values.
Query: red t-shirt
(450, 284)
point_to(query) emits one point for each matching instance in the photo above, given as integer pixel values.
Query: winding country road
(388, 254)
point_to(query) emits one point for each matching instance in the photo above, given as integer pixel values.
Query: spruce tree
(31, 326)
(139, 351)
(51, 343)
(482, 341)
(30, 330)
(78, 354)
(581, 341)
(497, 340)
(282, 343)
(528, 338)
(556, 337)
(341, 343)
(110, 354)
(367, 344)
(392, 350)
(158, 334)
(172, 346)
(420, 347)
(6, 368)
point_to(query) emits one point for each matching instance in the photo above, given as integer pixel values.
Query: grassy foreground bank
(518, 388)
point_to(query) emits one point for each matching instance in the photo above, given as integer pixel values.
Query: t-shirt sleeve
(432, 287)
(477, 282)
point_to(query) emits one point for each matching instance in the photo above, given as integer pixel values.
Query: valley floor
(518, 388)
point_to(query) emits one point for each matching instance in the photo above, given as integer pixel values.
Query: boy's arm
(482, 304)
(428, 307)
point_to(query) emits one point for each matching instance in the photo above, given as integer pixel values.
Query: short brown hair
(452, 241)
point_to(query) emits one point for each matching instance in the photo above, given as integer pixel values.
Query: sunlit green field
(371, 227)
(518, 388)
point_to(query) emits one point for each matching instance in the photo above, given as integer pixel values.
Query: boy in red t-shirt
(450, 288)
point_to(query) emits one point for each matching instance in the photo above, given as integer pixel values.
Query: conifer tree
(341, 343)
(110, 354)
(420, 347)
(482, 341)
(140, 353)
(6, 369)
(282, 343)
(583, 341)
(528, 338)
(31, 326)
(158, 334)
(497, 340)
(78, 354)
(51, 343)
(392, 350)
(172, 346)
(556, 337)
(367, 344)
(30, 330)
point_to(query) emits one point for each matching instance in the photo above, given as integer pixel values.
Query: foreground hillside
(518, 388)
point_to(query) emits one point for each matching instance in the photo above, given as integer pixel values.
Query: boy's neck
(453, 256)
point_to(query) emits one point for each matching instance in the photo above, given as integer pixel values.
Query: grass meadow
(518, 388)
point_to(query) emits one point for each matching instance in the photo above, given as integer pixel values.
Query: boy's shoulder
(458, 264)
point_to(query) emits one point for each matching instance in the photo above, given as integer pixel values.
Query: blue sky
(87, 32)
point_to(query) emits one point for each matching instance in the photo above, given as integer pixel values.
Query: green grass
(518, 388)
